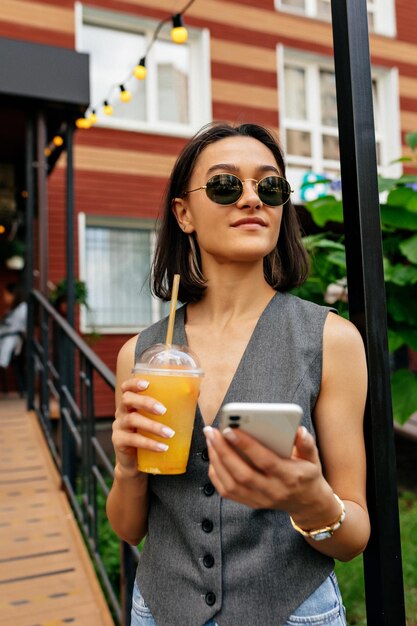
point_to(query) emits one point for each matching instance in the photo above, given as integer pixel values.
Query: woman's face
(246, 231)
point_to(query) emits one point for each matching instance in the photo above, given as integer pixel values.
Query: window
(115, 261)
(381, 13)
(175, 96)
(308, 118)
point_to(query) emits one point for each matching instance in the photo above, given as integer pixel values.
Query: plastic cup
(174, 376)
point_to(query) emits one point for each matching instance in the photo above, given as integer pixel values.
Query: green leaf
(404, 159)
(401, 303)
(411, 139)
(400, 274)
(395, 340)
(409, 249)
(409, 337)
(408, 178)
(400, 196)
(404, 394)
(386, 184)
(326, 209)
(337, 258)
(398, 217)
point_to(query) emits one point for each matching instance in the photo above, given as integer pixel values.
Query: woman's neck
(234, 293)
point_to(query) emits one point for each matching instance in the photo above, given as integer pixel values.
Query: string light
(57, 141)
(179, 35)
(125, 95)
(139, 71)
(108, 109)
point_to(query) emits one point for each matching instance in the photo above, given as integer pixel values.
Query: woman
(232, 542)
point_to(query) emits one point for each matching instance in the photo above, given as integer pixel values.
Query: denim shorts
(323, 608)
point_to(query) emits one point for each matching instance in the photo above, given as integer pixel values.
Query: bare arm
(304, 484)
(128, 501)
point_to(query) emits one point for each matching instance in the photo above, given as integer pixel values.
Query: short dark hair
(17, 290)
(285, 267)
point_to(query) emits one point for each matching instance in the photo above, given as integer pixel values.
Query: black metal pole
(29, 265)
(42, 202)
(70, 227)
(382, 558)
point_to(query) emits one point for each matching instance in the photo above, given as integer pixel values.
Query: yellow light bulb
(125, 96)
(108, 109)
(93, 117)
(139, 72)
(2, 229)
(57, 140)
(179, 34)
(83, 122)
(47, 152)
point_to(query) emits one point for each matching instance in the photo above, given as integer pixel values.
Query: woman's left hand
(269, 481)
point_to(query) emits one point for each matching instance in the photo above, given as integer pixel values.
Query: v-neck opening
(182, 338)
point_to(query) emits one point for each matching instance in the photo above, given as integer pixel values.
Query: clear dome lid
(164, 359)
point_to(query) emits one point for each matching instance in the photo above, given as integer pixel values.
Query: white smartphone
(272, 424)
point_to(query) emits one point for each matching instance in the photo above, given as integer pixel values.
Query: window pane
(295, 4)
(173, 74)
(295, 93)
(328, 98)
(112, 57)
(330, 147)
(298, 143)
(117, 267)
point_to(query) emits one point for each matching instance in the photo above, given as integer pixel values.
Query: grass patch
(350, 574)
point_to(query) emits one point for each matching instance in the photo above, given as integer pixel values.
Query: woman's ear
(181, 211)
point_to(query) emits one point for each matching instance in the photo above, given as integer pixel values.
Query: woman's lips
(249, 224)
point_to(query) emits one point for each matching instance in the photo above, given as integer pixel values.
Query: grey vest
(206, 556)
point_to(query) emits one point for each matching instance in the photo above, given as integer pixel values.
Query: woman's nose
(249, 197)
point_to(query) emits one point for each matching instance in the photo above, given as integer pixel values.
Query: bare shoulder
(127, 351)
(343, 348)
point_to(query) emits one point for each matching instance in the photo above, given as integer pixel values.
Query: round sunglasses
(226, 189)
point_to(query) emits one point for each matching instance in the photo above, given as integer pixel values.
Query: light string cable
(178, 34)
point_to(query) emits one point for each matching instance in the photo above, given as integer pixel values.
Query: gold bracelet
(323, 533)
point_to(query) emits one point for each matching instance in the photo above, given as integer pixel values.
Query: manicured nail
(162, 446)
(209, 433)
(167, 431)
(229, 434)
(142, 384)
(158, 408)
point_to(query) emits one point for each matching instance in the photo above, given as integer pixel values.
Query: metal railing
(62, 370)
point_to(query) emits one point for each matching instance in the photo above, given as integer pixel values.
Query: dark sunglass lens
(224, 189)
(274, 190)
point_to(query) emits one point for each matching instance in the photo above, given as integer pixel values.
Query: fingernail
(162, 446)
(209, 433)
(158, 408)
(229, 434)
(304, 432)
(167, 431)
(142, 384)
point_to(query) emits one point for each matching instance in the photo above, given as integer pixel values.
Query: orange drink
(174, 377)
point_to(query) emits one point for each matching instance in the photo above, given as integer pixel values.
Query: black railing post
(382, 558)
(68, 444)
(29, 218)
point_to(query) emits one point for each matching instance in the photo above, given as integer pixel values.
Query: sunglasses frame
(257, 183)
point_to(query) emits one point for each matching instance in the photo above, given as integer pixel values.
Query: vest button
(208, 489)
(208, 560)
(205, 455)
(207, 525)
(210, 598)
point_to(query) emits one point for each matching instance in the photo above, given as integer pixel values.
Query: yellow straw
(172, 309)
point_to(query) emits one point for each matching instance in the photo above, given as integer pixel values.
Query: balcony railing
(62, 370)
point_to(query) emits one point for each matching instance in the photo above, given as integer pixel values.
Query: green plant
(399, 235)
(59, 292)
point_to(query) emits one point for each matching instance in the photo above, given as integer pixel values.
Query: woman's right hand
(131, 427)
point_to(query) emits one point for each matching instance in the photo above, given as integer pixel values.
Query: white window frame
(383, 12)
(200, 101)
(389, 112)
(84, 220)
